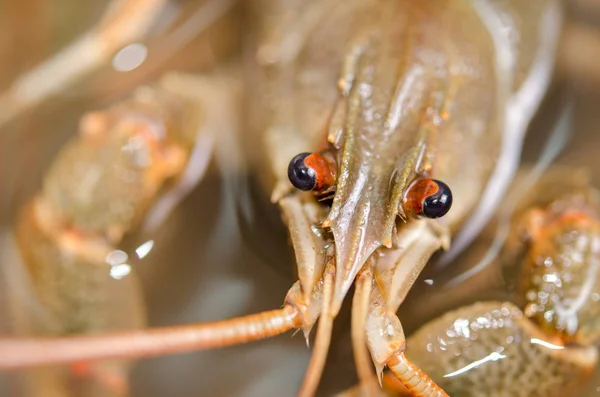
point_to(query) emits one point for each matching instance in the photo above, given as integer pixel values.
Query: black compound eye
(301, 176)
(438, 204)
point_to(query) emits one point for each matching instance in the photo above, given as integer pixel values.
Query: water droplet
(116, 257)
(119, 271)
(144, 249)
(130, 57)
(550, 278)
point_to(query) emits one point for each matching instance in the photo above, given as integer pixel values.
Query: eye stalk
(427, 197)
(313, 171)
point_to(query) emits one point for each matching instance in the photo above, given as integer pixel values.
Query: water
(223, 252)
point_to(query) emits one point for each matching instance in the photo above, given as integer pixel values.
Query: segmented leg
(413, 378)
(387, 344)
(360, 310)
(27, 352)
(323, 339)
(390, 387)
(393, 386)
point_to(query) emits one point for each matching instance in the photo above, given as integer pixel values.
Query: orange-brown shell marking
(324, 170)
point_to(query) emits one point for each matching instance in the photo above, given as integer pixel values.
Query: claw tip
(379, 370)
(307, 336)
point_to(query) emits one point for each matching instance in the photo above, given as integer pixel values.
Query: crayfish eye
(428, 197)
(313, 171)
(302, 176)
(438, 204)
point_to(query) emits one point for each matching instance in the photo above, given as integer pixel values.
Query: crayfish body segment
(407, 112)
(543, 341)
(102, 186)
(404, 91)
